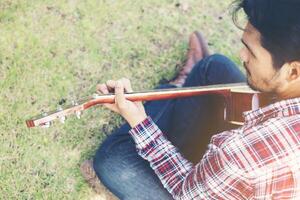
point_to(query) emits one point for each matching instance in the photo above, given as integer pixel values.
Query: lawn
(55, 51)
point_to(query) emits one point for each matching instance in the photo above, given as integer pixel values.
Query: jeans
(187, 122)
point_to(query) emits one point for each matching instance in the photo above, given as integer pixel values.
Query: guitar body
(242, 100)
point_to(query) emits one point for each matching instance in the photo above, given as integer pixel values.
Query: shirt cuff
(146, 133)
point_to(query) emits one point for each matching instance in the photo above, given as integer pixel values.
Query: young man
(260, 160)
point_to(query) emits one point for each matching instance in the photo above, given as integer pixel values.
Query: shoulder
(260, 146)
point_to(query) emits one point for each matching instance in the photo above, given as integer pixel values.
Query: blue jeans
(188, 123)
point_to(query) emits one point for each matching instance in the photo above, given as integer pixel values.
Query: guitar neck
(149, 95)
(161, 94)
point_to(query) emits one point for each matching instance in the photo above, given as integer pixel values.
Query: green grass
(53, 50)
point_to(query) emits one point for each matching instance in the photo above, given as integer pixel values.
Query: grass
(54, 50)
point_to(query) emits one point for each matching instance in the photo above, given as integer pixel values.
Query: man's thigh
(122, 170)
(125, 173)
(196, 119)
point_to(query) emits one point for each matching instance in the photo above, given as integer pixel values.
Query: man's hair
(278, 22)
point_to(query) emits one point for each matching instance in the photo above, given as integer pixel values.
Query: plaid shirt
(260, 160)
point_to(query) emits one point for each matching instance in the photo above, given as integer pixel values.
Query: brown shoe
(198, 49)
(88, 172)
(203, 52)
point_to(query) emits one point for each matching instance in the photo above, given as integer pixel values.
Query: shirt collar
(279, 109)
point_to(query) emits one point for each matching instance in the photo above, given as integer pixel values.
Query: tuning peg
(74, 103)
(78, 114)
(59, 108)
(95, 96)
(61, 118)
(46, 124)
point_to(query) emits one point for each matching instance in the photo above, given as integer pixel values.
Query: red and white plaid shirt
(260, 160)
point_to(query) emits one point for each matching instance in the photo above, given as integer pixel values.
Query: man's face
(261, 75)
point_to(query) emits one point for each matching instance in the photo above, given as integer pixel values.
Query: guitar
(238, 99)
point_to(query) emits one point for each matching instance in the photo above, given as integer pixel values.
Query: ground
(57, 51)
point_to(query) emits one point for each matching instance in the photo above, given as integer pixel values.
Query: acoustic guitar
(238, 99)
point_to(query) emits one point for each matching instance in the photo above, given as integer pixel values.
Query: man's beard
(248, 74)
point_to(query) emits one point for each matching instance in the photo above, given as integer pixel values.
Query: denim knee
(108, 168)
(110, 156)
(219, 57)
(105, 165)
(219, 69)
(219, 63)
(126, 174)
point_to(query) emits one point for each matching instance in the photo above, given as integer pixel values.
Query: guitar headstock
(45, 119)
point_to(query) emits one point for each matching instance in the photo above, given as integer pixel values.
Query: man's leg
(122, 170)
(119, 147)
(130, 177)
(195, 119)
(117, 159)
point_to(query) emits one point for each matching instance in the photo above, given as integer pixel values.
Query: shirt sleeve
(214, 177)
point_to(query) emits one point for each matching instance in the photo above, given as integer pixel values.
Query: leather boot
(198, 49)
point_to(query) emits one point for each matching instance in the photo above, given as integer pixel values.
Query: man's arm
(213, 178)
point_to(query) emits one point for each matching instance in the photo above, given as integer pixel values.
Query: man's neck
(290, 92)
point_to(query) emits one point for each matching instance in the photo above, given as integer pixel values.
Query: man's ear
(293, 71)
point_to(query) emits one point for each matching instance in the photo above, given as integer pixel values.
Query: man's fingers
(127, 84)
(111, 107)
(111, 84)
(120, 97)
(102, 89)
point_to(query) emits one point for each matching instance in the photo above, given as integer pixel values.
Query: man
(260, 160)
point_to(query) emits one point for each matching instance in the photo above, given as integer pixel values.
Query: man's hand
(133, 112)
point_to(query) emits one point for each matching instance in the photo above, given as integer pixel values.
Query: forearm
(214, 177)
(164, 158)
